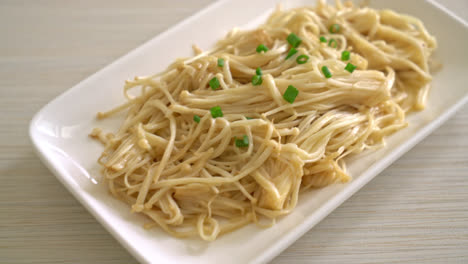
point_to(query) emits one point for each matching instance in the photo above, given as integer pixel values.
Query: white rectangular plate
(59, 133)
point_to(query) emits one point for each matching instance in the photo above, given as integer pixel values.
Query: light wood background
(414, 212)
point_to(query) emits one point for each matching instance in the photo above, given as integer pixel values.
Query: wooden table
(414, 212)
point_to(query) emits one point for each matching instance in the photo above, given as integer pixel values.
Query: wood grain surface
(416, 211)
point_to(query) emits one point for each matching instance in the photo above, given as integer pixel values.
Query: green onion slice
(290, 94)
(350, 67)
(257, 80)
(196, 118)
(216, 112)
(258, 71)
(326, 72)
(335, 28)
(345, 55)
(291, 53)
(302, 59)
(332, 43)
(220, 62)
(242, 143)
(214, 83)
(294, 40)
(323, 39)
(261, 48)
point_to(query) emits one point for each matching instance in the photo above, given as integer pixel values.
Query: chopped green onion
(216, 112)
(257, 80)
(291, 53)
(261, 48)
(196, 118)
(323, 39)
(345, 55)
(290, 94)
(242, 143)
(258, 71)
(350, 67)
(249, 118)
(302, 59)
(214, 83)
(326, 72)
(220, 62)
(332, 43)
(294, 40)
(335, 28)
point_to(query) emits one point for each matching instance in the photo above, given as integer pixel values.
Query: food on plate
(235, 134)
